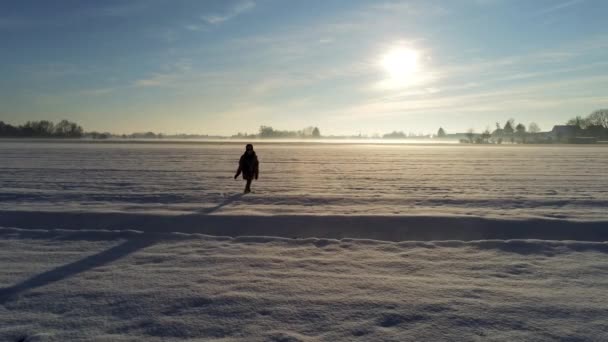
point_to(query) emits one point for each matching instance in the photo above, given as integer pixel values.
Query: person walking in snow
(249, 166)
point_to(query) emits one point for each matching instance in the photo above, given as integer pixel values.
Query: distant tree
(598, 118)
(533, 128)
(39, 128)
(485, 136)
(43, 128)
(269, 132)
(27, 130)
(316, 133)
(470, 135)
(579, 122)
(508, 129)
(394, 135)
(497, 134)
(306, 132)
(7, 130)
(97, 135)
(266, 132)
(68, 129)
(520, 130)
(441, 133)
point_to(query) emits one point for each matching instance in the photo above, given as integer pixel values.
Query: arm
(238, 171)
(256, 171)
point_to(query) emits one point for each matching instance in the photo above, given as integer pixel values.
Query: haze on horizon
(221, 67)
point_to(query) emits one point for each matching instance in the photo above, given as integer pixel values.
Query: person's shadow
(102, 258)
(82, 265)
(228, 200)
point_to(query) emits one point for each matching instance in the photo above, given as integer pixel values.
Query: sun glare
(402, 67)
(400, 62)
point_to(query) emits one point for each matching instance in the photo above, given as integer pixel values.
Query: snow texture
(509, 182)
(62, 285)
(105, 242)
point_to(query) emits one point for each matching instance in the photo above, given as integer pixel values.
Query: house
(564, 133)
(597, 131)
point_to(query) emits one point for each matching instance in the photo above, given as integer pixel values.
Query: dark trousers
(248, 185)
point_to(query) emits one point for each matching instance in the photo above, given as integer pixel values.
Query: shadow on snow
(387, 228)
(74, 268)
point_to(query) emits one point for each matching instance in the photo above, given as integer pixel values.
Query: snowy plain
(555, 181)
(387, 242)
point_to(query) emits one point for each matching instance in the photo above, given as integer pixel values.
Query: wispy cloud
(524, 98)
(409, 8)
(98, 91)
(487, 2)
(157, 80)
(241, 7)
(559, 6)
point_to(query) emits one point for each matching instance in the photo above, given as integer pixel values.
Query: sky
(346, 66)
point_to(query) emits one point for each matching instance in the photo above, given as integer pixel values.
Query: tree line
(269, 132)
(594, 124)
(42, 129)
(597, 118)
(510, 132)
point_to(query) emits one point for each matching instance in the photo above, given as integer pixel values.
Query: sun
(400, 63)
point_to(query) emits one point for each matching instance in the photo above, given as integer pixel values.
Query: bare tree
(579, 122)
(486, 135)
(533, 128)
(598, 118)
(470, 134)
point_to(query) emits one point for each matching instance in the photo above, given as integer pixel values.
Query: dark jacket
(249, 166)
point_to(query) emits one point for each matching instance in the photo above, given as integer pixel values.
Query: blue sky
(221, 67)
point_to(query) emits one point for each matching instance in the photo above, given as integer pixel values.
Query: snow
(388, 242)
(564, 182)
(64, 285)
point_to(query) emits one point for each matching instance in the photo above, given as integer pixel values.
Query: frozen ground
(564, 182)
(129, 286)
(103, 242)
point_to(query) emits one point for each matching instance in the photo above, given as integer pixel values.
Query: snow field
(560, 182)
(104, 242)
(129, 286)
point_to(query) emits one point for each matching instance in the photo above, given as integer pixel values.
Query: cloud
(158, 80)
(193, 27)
(241, 7)
(559, 7)
(172, 75)
(98, 91)
(407, 8)
(525, 98)
(487, 2)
